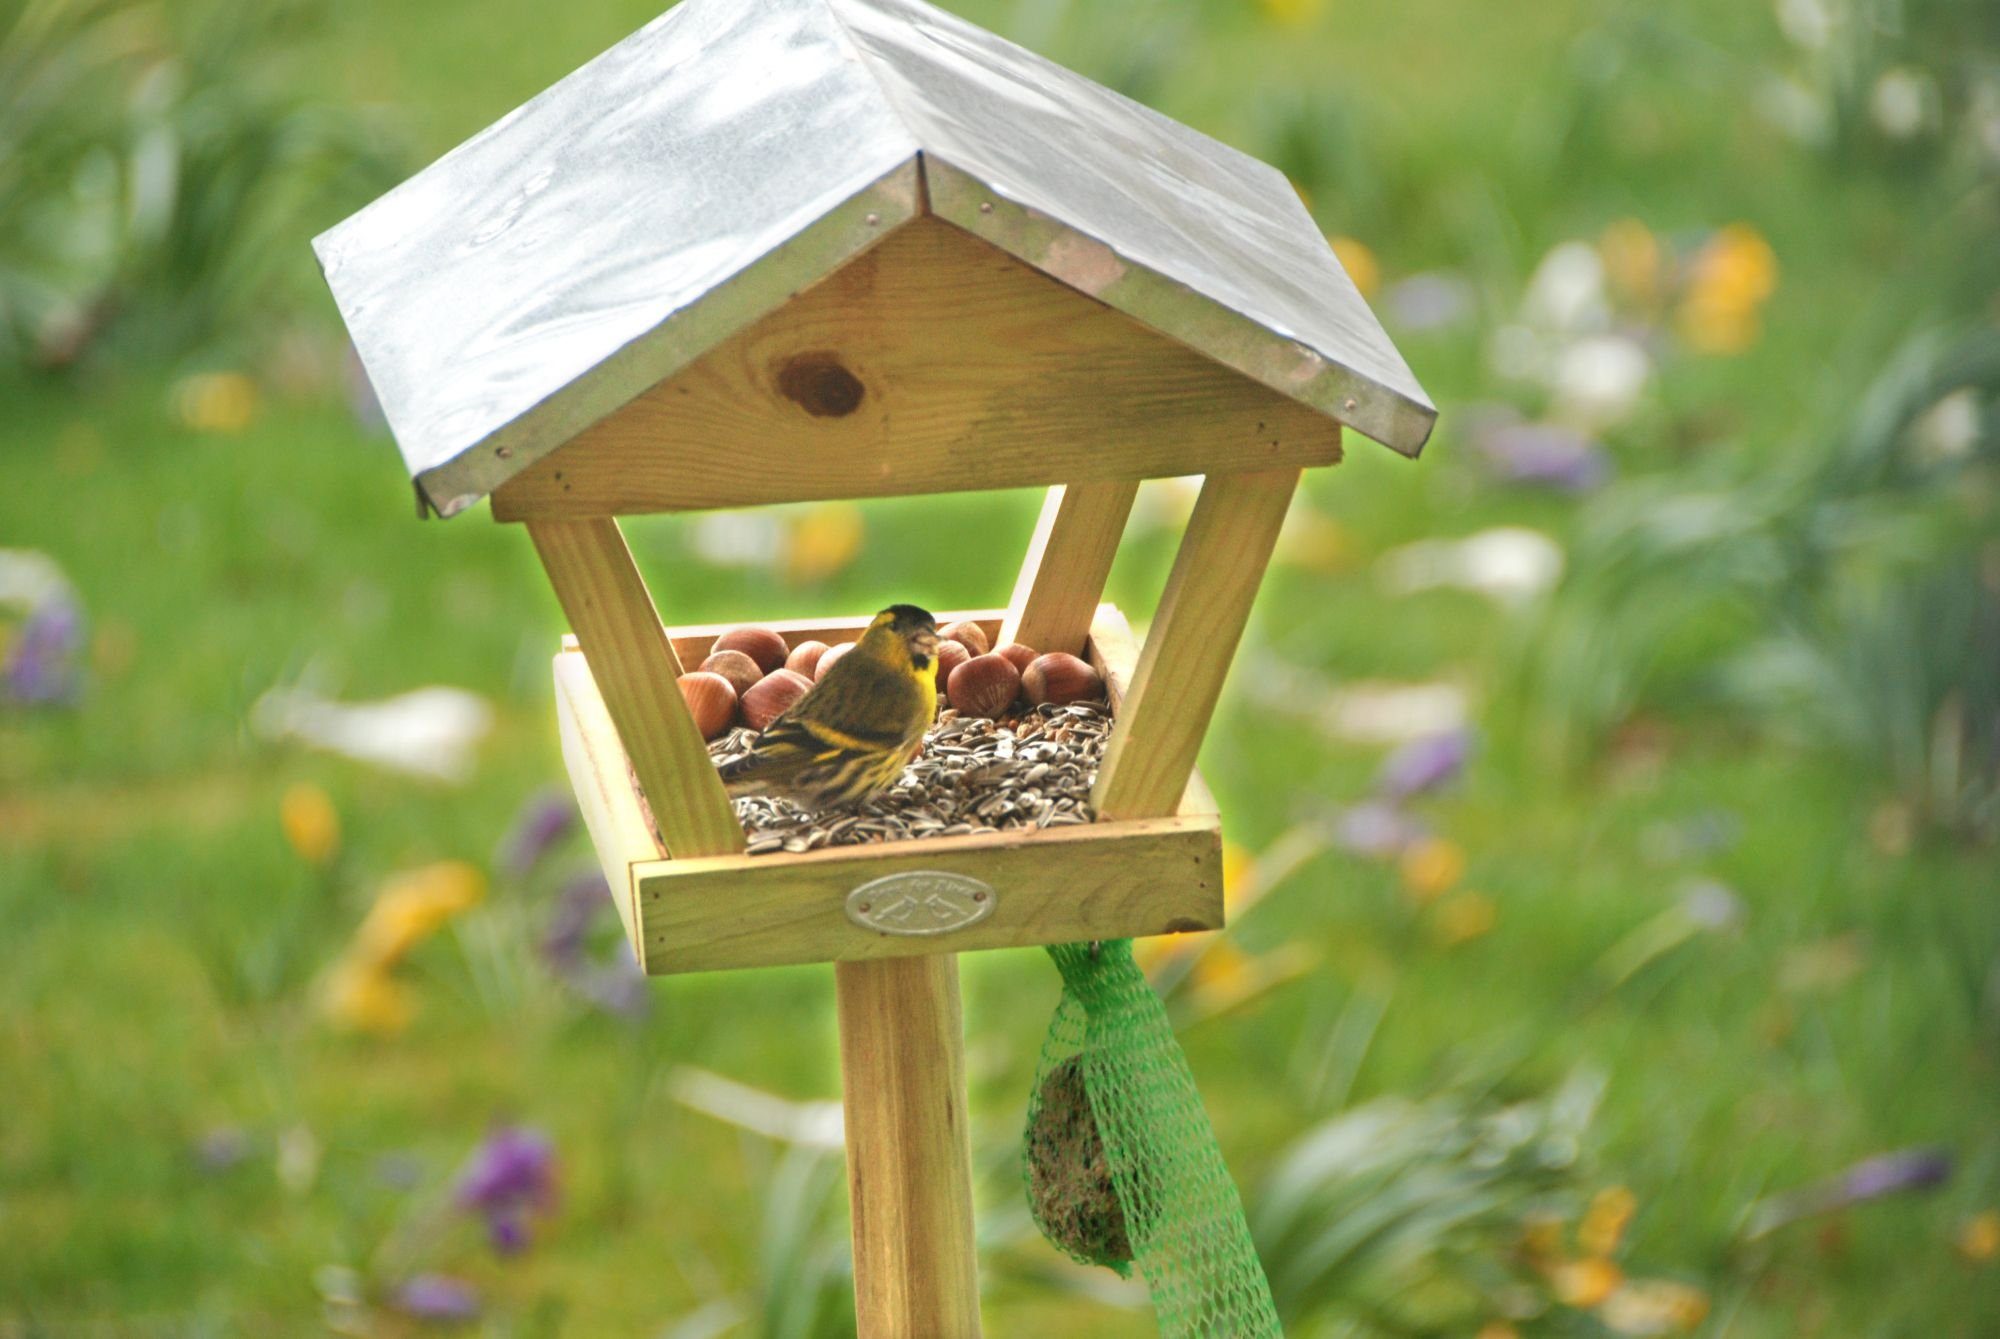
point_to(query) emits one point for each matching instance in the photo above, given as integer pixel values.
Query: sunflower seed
(1031, 770)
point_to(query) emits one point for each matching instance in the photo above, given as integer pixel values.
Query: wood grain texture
(634, 668)
(598, 773)
(1062, 576)
(932, 363)
(1055, 886)
(1193, 638)
(1114, 653)
(909, 1155)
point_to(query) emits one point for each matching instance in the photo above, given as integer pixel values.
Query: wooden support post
(635, 668)
(1062, 577)
(1201, 617)
(909, 1157)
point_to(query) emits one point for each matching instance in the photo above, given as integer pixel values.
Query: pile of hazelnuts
(752, 676)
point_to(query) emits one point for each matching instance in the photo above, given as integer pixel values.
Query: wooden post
(909, 1158)
(1068, 559)
(635, 667)
(1160, 725)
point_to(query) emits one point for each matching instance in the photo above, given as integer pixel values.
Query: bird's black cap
(908, 617)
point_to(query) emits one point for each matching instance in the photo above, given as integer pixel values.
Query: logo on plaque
(921, 902)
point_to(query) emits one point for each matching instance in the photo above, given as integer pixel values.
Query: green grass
(163, 942)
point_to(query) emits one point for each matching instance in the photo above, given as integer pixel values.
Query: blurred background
(1611, 796)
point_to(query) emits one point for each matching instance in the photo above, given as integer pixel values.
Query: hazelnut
(773, 697)
(1060, 678)
(827, 660)
(984, 686)
(762, 645)
(741, 671)
(804, 658)
(711, 699)
(971, 636)
(950, 655)
(1018, 655)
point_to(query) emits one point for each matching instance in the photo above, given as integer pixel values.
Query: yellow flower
(1225, 976)
(1292, 13)
(1431, 868)
(413, 906)
(362, 997)
(1584, 1284)
(1979, 1238)
(822, 540)
(1631, 256)
(1359, 262)
(1464, 917)
(1653, 1307)
(216, 401)
(1542, 1240)
(1313, 540)
(1223, 972)
(1239, 875)
(310, 822)
(1604, 1222)
(1729, 281)
(1154, 953)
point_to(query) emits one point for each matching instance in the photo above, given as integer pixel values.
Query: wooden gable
(931, 363)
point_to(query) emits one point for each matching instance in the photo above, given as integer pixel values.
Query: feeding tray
(1105, 879)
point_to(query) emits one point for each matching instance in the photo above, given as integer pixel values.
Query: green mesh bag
(1121, 1163)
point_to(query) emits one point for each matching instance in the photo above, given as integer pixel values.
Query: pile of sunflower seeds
(1032, 770)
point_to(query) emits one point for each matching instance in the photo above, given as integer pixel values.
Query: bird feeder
(769, 251)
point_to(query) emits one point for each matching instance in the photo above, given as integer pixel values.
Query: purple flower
(1884, 1174)
(42, 663)
(576, 906)
(1376, 830)
(1546, 455)
(1429, 301)
(1893, 1173)
(438, 1297)
(615, 984)
(1424, 764)
(546, 818)
(220, 1149)
(509, 1176)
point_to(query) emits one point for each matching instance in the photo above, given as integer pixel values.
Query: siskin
(853, 733)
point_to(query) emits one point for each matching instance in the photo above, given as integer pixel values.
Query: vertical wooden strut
(1161, 722)
(909, 1157)
(1062, 577)
(635, 667)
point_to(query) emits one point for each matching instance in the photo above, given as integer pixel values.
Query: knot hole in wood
(820, 384)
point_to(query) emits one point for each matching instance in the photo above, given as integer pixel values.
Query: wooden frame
(1104, 880)
(931, 363)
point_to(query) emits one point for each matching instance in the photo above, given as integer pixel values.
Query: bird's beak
(927, 643)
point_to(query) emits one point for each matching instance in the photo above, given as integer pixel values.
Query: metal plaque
(920, 902)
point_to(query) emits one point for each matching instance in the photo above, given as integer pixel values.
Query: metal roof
(685, 183)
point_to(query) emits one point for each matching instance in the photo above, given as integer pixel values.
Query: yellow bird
(852, 734)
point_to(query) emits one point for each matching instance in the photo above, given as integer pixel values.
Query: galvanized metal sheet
(675, 189)
(607, 232)
(1181, 231)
